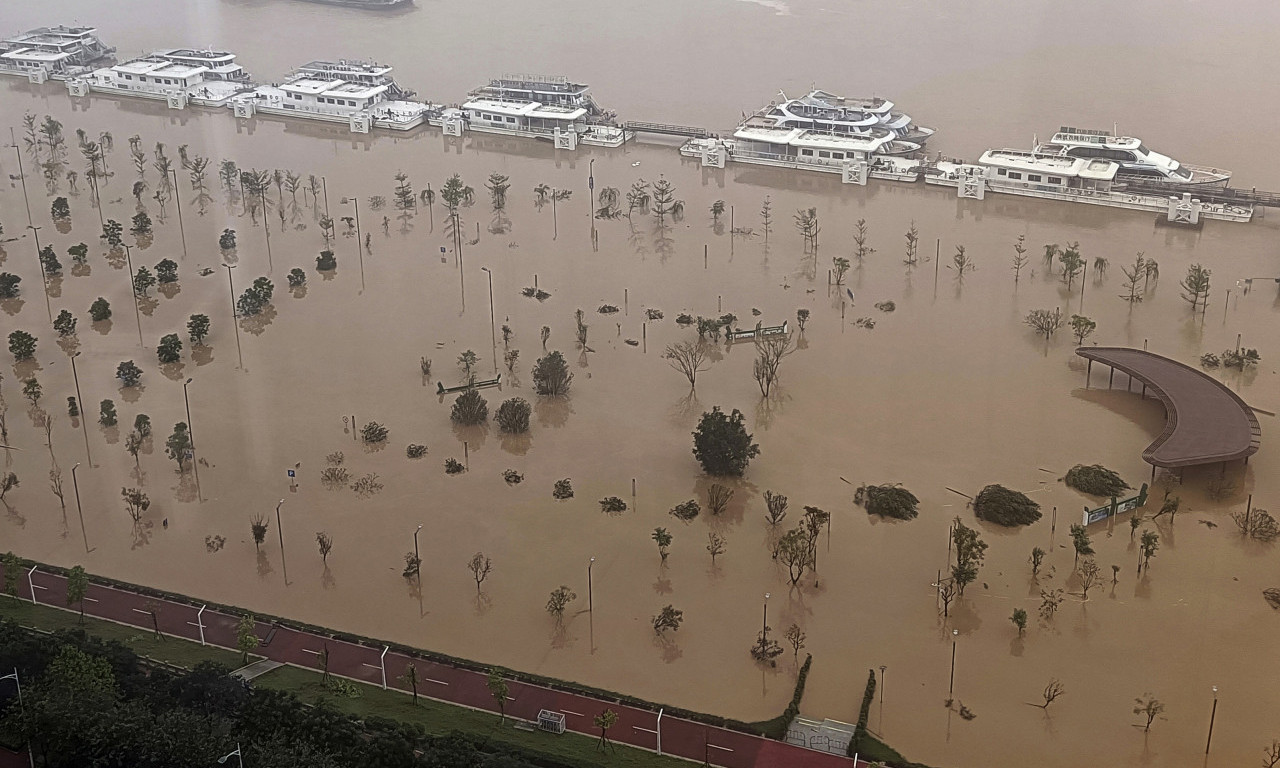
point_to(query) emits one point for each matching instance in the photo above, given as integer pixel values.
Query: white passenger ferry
(54, 52)
(1074, 179)
(361, 94)
(846, 116)
(1137, 163)
(538, 106)
(178, 75)
(878, 154)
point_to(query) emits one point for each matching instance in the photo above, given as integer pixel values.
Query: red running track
(635, 727)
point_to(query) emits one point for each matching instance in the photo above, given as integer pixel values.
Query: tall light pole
(591, 189)
(239, 758)
(178, 198)
(44, 277)
(951, 689)
(191, 436)
(21, 708)
(266, 225)
(1212, 714)
(882, 669)
(415, 547)
(590, 602)
(555, 224)
(355, 202)
(22, 175)
(128, 254)
(324, 184)
(493, 333)
(280, 533)
(84, 415)
(80, 510)
(236, 325)
(764, 625)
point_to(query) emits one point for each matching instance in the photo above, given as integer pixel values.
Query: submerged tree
(913, 244)
(970, 552)
(722, 444)
(1044, 322)
(1195, 286)
(962, 263)
(1133, 276)
(1019, 256)
(687, 357)
(1072, 263)
(551, 375)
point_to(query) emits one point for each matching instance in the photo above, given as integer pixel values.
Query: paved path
(636, 727)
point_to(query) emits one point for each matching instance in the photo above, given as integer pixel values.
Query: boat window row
(157, 80)
(823, 154)
(495, 118)
(1034, 178)
(327, 100)
(1120, 155)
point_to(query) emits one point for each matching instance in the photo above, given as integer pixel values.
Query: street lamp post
(415, 547)
(44, 277)
(951, 689)
(590, 603)
(191, 435)
(236, 325)
(355, 202)
(128, 254)
(22, 175)
(178, 198)
(591, 189)
(280, 533)
(266, 225)
(80, 510)
(239, 758)
(493, 333)
(1212, 714)
(555, 225)
(21, 708)
(764, 625)
(84, 414)
(882, 669)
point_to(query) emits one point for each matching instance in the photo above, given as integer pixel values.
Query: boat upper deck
(1095, 169)
(530, 109)
(803, 137)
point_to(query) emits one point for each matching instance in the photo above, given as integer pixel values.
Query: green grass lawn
(440, 718)
(182, 653)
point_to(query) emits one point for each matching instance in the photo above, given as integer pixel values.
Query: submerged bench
(755, 333)
(441, 389)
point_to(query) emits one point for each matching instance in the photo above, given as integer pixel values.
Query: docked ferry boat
(843, 116)
(539, 106)
(54, 52)
(1092, 180)
(878, 153)
(1137, 163)
(361, 94)
(178, 75)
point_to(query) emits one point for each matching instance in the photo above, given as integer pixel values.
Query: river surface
(949, 391)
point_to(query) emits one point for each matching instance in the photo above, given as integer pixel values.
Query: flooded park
(923, 374)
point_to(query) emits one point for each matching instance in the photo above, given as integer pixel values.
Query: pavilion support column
(1088, 371)
(1153, 474)
(1111, 377)
(1144, 391)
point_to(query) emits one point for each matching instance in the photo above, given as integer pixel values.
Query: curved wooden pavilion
(1206, 422)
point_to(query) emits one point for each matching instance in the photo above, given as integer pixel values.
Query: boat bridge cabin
(57, 50)
(1007, 168)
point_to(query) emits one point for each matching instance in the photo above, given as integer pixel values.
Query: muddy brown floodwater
(950, 390)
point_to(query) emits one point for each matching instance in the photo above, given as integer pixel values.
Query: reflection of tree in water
(326, 579)
(769, 408)
(69, 344)
(474, 436)
(516, 445)
(264, 565)
(256, 324)
(201, 354)
(668, 649)
(169, 290)
(483, 603)
(186, 489)
(663, 585)
(142, 534)
(55, 287)
(132, 394)
(173, 371)
(635, 239)
(111, 434)
(147, 305)
(500, 224)
(663, 245)
(553, 411)
(12, 306)
(687, 408)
